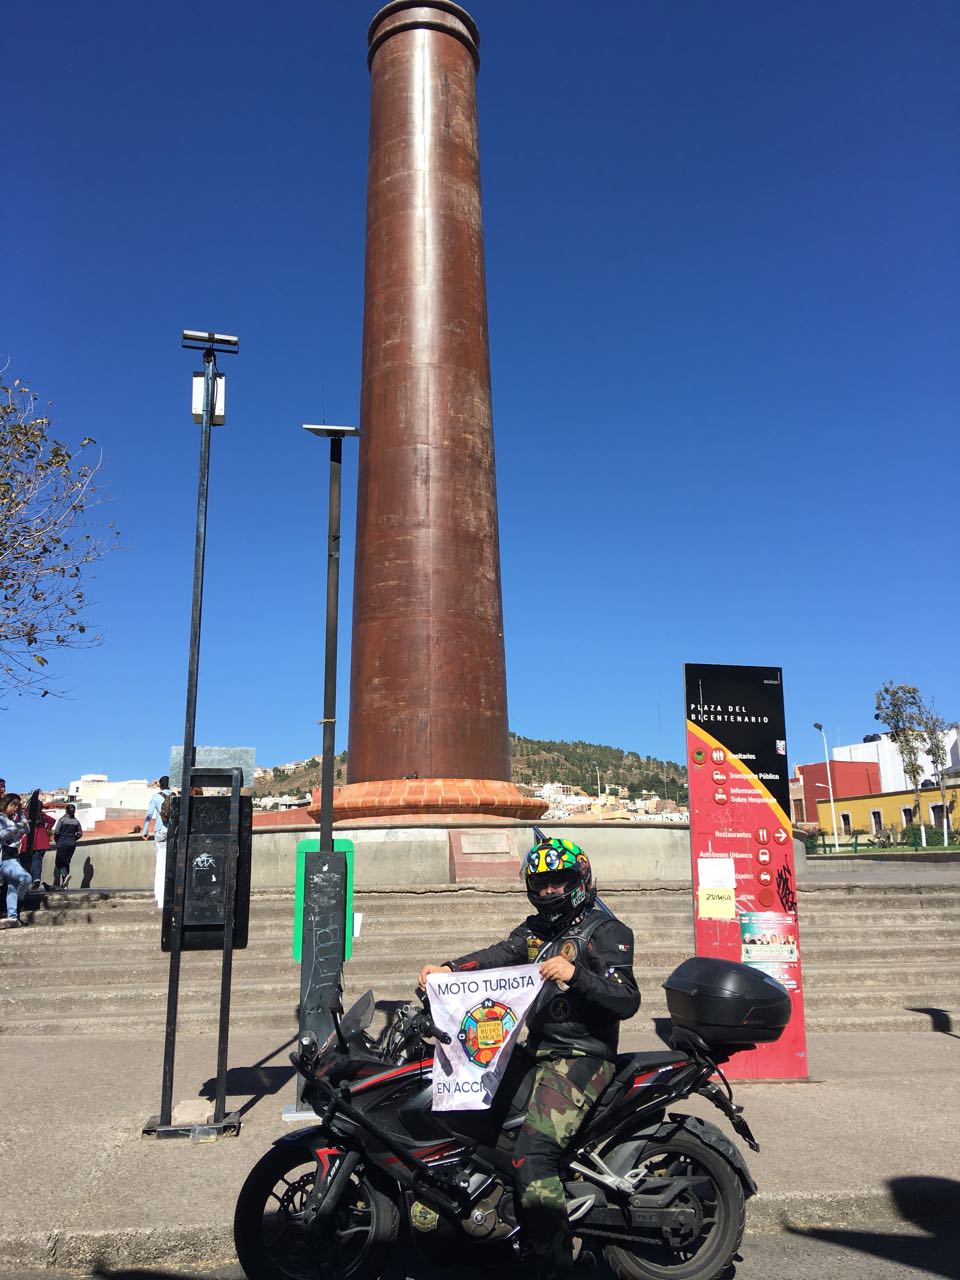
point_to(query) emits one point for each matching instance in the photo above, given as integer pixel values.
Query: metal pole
(330, 651)
(313, 989)
(189, 733)
(599, 801)
(226, 971)
(833, 811)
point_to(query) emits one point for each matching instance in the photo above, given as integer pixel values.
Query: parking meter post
(206, 908)
(323, 923)
(226, 971)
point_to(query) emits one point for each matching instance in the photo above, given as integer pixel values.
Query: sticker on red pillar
(768, 935)
(763, 856)
(718, 755)
(719, 777)
(764, 876)
(781, 836)
(719, 797)
(698, 758)
(763, 835)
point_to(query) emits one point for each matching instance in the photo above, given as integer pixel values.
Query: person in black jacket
(586, 962)
(65, 836)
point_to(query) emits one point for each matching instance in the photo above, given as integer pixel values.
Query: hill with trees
(534, 762)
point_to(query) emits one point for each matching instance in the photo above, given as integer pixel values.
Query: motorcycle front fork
(325, 1193)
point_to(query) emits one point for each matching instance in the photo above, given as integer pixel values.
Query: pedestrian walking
(66, 834)
(157, 812)
(13, 827)
(37, 840)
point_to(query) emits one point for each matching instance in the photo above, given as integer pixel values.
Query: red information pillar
(741, 843)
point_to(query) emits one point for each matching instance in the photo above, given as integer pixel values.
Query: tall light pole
(833, 810)
(208, 410)
(312, 1015)
(599, 801)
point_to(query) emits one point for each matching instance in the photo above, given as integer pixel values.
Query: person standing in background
(155, 815)
(66, 834)
(40, 825)
(13, 826)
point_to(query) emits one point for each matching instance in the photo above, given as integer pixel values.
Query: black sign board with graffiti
(206, 907)
(210, 847)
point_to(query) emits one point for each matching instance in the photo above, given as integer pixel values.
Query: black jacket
(585, 1018)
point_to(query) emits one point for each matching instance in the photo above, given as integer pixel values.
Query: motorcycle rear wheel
(722, 1216)
(272, 1245)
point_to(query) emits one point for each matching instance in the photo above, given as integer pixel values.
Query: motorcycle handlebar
(423, 1024)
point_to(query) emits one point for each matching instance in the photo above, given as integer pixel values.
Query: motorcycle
(660, 1193)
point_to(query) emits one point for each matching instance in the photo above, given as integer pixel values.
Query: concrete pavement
(859, 1146)
(870, 1144)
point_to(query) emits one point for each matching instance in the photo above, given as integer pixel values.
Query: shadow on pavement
(148, 1273)
(258, 1080)
(933, 1204)
(940, 1020)
(406, 1264)
(663, 1027)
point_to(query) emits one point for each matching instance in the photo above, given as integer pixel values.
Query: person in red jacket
(42, 826)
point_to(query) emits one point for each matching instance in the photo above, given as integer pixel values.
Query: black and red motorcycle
(660, 1193)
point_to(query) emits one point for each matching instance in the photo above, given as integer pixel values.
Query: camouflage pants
(564, 1089)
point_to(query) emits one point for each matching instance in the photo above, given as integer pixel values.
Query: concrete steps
(91, 963)
(133, 961)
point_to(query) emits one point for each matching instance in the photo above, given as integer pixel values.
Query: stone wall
(408, 855)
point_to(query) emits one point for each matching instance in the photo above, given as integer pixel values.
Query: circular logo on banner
(718, 756)
(763, 856)
(484, 1030)
(719, 797)
(698, 757)
(764, 876)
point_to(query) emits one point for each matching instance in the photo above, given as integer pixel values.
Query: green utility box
(333, 884)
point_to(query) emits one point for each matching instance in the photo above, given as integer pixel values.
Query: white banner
(482, 1012)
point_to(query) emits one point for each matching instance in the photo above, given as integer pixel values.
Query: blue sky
(722, 264)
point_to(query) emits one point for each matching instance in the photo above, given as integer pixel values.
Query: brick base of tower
(415, 797)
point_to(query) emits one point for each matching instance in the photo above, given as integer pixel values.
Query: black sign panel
(743, 708)
(208, 848)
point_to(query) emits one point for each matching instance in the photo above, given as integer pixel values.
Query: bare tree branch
(47, 542)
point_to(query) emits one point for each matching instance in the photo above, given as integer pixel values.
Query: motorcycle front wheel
(273, 1244)
(706, 1246)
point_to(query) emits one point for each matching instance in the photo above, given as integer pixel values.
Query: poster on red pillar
(741, 843)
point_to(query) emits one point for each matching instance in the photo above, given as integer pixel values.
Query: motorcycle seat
(630, 1064)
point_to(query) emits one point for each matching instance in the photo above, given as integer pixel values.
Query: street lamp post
(833, 810)
(311, 1014)
(211, 412)
(599, 801)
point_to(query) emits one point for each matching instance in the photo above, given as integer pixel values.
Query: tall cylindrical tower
(428, 708)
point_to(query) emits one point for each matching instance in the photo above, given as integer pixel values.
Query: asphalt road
(791, 1255)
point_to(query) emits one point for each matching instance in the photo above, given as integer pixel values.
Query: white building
(882, 750)
(97, 791)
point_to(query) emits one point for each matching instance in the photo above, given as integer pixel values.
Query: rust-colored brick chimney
(428, 706)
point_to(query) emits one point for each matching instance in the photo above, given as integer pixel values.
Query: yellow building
(892, 810)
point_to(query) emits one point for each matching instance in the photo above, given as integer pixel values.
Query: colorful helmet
(553, 858)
